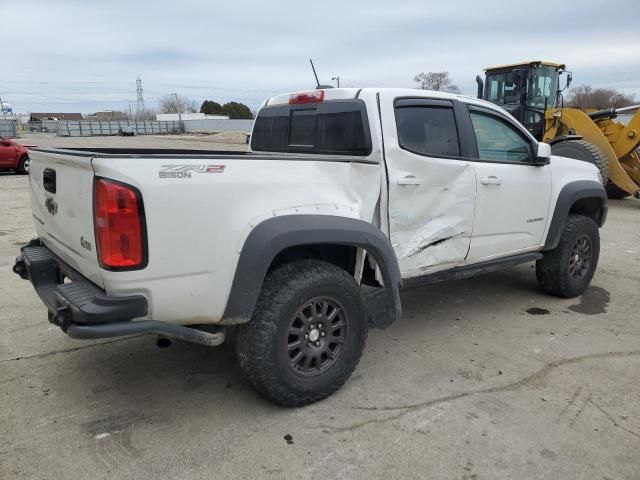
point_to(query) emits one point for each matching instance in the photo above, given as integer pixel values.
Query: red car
(14, 156)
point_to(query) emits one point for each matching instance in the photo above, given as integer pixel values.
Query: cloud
(78, 55)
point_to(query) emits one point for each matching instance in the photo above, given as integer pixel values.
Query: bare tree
(438, 81)
(147, 114)
(584, 96)
(175, 103)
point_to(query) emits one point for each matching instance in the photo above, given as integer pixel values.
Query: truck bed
(199, 206)
(119, 152)
(183, 153)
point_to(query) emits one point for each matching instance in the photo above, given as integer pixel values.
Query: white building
(167, 117)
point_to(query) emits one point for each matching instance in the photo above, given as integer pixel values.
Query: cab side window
(499, 141)
(427, 130)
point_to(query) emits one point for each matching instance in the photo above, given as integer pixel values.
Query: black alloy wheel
(580, 257)
(316, 336)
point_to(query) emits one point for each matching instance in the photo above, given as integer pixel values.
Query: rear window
(336, 127)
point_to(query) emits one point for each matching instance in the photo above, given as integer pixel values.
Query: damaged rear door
(432, 188)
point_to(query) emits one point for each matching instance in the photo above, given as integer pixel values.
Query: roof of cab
(352, 93)
(329, 94)
(531, 63)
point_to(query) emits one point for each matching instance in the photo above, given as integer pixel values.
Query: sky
(84, 56)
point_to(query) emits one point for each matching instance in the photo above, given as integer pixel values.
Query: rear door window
(428, 129)
(335, 127)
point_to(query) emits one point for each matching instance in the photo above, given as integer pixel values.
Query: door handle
(49, 180)
(492, 180)
(409, 180)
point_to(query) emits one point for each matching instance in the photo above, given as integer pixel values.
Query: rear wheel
(585, 151)
(306, 335)
(567, 270)
(24, 165)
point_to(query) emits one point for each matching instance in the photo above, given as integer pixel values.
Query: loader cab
(526, 90)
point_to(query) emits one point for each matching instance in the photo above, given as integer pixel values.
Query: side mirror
(544, 153)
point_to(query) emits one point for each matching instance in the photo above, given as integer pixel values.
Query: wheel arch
(280, 239)
(584, 197)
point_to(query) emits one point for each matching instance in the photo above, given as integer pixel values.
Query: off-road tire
(585, 151)
(24, 165)
(614, 192)
(261, 344)
(553, 271)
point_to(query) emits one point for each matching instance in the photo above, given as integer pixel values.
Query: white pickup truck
(347, 196)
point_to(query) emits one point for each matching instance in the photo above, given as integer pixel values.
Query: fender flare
(274, 235)
(569, 195)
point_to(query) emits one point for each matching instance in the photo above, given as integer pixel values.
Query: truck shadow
(136, 369)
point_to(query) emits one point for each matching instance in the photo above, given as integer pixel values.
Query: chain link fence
(90, 128)
(8, 128)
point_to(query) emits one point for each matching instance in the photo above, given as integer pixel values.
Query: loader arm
(617, 142)
(625, 139)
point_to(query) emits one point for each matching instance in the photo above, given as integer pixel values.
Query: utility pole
(4, 114)
(337, 79)
(140, 101)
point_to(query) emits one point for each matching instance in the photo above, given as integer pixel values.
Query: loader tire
(306, 335)
(585, 151)
(567, 270)
(614, 192)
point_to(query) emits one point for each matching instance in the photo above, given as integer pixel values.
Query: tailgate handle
(49, 180)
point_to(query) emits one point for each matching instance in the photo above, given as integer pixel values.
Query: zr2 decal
(185, 171)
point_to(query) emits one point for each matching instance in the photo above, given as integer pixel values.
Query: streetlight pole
(178, 106)
(337, 79)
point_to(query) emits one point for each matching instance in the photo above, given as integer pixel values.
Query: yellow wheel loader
(531, 92)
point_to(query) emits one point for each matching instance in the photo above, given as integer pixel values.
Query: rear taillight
(315, 96)
(119, 225)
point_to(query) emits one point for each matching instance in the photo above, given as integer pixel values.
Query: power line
(155, 85)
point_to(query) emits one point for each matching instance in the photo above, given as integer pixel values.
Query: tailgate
(61, 186)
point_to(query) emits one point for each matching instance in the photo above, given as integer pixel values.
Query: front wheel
(306, 335)
(567, 270)
(24, 165)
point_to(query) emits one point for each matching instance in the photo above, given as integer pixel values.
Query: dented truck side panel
(197, 225)
(431, 204)
(431, 223)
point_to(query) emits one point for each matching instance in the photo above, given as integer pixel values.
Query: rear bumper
(84, 311)
(78, 301)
